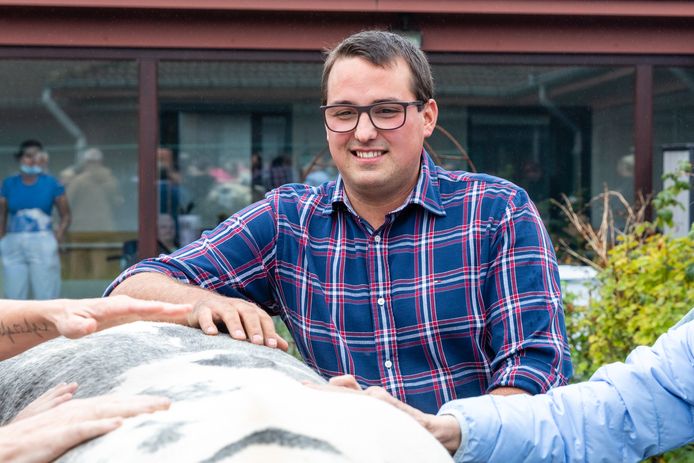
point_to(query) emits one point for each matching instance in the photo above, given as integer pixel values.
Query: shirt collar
(425, 193)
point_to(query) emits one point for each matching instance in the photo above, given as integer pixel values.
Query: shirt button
(388, 364)
(381, 301)
(377, 238)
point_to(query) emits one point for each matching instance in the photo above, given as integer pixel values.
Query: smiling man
(434, 285)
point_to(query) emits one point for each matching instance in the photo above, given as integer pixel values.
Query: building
(560, 97)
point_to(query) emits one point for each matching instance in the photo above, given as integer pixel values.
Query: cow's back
(232, 401)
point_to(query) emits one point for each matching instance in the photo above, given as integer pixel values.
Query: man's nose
(365, 130)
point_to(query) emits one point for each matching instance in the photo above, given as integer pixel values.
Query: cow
(232, 401)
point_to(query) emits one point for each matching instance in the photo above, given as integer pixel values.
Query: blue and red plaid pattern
(456, 294)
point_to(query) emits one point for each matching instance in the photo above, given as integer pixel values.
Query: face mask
(30, 170)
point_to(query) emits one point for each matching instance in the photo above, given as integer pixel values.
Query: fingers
(348, 381)
(77, 433)
(112, 406)
(128, 406)
(49, 434)
(50, 399)
(143, 309)
(233, 323)
(244, 321)
(203, 316)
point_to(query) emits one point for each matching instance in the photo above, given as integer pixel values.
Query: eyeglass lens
(384, 116)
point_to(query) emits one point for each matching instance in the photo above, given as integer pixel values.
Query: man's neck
(374, 210)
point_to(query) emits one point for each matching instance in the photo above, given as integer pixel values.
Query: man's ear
(430, 113)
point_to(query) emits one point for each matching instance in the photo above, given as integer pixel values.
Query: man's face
(382, 164)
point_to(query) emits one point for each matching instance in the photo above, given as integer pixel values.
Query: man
(626, 412)
(435, 285)
(54, 423)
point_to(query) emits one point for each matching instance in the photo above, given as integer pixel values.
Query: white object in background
(577, 280)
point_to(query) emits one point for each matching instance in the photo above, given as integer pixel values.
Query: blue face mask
(30, 170)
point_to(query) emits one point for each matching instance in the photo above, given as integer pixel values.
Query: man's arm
(24, 324)
(243, 319)
(523, 304)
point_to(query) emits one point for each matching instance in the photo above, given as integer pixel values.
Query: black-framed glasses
(387, 115)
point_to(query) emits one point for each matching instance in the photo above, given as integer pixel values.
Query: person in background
(166, 234)
(169, 185)
(281, 171)
(29, 244)
(53, 423)
(94, 194)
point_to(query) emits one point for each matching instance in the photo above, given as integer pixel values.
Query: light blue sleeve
(626, 412)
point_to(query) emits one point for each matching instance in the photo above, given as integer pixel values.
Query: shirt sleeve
(58, 188)
(523, 302)
(236, 259)
(626, 412)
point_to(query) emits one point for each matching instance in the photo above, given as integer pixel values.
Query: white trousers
(31, 257)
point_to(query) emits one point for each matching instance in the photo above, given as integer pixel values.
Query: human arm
(225, 275)
(626, 412)
(65, 217)
(24, 324)
(522, 297)
(48, 434)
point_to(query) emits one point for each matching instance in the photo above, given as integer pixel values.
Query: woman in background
(29, 246)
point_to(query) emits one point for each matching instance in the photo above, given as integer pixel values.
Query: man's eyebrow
(349, 102)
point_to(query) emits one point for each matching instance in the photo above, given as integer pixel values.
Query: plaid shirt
(456, 294)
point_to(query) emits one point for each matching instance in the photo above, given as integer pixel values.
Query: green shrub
(645, 284)
(646, 288)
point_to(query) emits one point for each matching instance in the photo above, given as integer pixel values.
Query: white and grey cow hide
(232, 401)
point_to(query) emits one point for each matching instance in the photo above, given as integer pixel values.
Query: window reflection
(85, 113)
(552, 130)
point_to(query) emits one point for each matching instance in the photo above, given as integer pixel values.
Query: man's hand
(74, 318)
(47, 435)
(244, 320)
(444, 428)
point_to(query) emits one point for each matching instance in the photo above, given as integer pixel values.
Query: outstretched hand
(46, 435)
(80, 317)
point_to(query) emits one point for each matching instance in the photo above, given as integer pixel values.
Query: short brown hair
(382, 49)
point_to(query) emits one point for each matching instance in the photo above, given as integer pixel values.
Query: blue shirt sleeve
(236, 259)
(626, 412)
(524, 303)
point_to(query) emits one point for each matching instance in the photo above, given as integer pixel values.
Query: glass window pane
(85, 114)
(552, 130)
(234, 131)
(673, 131)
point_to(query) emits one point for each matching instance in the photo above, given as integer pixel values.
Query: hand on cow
(74, 318)
(50, 399)
(445, 428)
(244, 320)
(49, 434)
